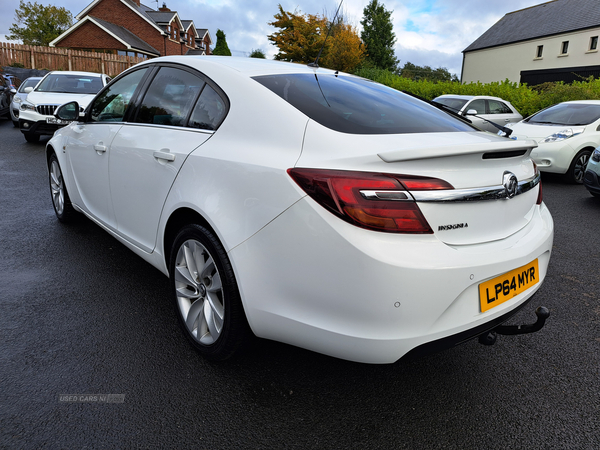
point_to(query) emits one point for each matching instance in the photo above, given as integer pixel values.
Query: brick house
(126, 27)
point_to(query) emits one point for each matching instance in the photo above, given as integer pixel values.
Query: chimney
(163, 8)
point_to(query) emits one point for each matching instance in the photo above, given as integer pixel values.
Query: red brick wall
(114, 11)
(90, 36)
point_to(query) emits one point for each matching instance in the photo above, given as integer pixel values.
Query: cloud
(429, 32)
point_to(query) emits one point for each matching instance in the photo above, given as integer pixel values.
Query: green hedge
(527, 100)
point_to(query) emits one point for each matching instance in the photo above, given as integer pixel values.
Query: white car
(591, 179)
(306, 206)
(481, 110)
(18, 98)
(566, 134)
(36, 115)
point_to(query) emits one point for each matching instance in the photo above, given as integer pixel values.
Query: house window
(540, 50)
(564, 48)
(594, 43)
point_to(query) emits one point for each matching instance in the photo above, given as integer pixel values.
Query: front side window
(170, 97)
(112, 104)
(357, 106)
(478, 105)
(28, 83)
(564, 49)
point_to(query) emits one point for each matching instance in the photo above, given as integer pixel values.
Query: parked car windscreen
(455, 104)
(567, 114)
(358, 106)
(70, 84)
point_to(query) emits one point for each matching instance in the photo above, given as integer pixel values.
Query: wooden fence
(52, 58)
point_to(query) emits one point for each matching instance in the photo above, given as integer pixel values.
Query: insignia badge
(510, 183)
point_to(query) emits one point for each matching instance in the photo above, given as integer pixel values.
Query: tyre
(577, 169)
(206, 295)
(16, 124)
(30, 137)
(60, 197)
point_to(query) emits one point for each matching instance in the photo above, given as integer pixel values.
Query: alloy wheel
(199, 292)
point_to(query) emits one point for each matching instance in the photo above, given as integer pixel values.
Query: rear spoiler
(489, 150)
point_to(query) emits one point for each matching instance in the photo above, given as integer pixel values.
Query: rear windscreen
(358, 106)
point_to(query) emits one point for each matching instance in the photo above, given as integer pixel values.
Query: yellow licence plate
(500, 289)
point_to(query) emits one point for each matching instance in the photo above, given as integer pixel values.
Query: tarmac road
(82, 315)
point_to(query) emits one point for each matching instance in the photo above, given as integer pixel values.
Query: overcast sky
(428, 32)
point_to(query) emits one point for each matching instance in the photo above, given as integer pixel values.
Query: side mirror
(13, 91)
(27, 90)
(471, 112)
(67, 112)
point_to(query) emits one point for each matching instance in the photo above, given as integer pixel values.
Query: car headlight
(26, 106)
(562, 135)
(596, 155)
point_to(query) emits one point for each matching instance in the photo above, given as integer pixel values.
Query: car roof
(67, 72)
(581, 102)
(248, 66)
(471, 97)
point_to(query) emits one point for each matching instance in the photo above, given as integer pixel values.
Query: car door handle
(165, 155)
(99, 147)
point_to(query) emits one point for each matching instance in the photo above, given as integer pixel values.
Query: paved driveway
(81, 315)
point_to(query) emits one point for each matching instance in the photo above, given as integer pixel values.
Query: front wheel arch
(576, 170)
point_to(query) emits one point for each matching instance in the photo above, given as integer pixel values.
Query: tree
(415, 72)
(301, 37)
(378, 36)
(42, 24)
(258, 54)
(346, 51)
(221, 48)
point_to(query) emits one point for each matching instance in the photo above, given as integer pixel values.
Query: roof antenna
(316, 63)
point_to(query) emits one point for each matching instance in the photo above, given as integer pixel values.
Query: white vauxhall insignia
(306, 206)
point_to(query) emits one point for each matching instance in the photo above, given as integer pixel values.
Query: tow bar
(489, 338)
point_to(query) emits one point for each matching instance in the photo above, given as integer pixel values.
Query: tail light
(375, 201)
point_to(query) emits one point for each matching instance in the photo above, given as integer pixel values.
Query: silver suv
(36, 115)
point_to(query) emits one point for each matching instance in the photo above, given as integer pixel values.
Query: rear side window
(209, 111)
(357, 106)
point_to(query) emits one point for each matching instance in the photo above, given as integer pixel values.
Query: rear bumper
(373, 297)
